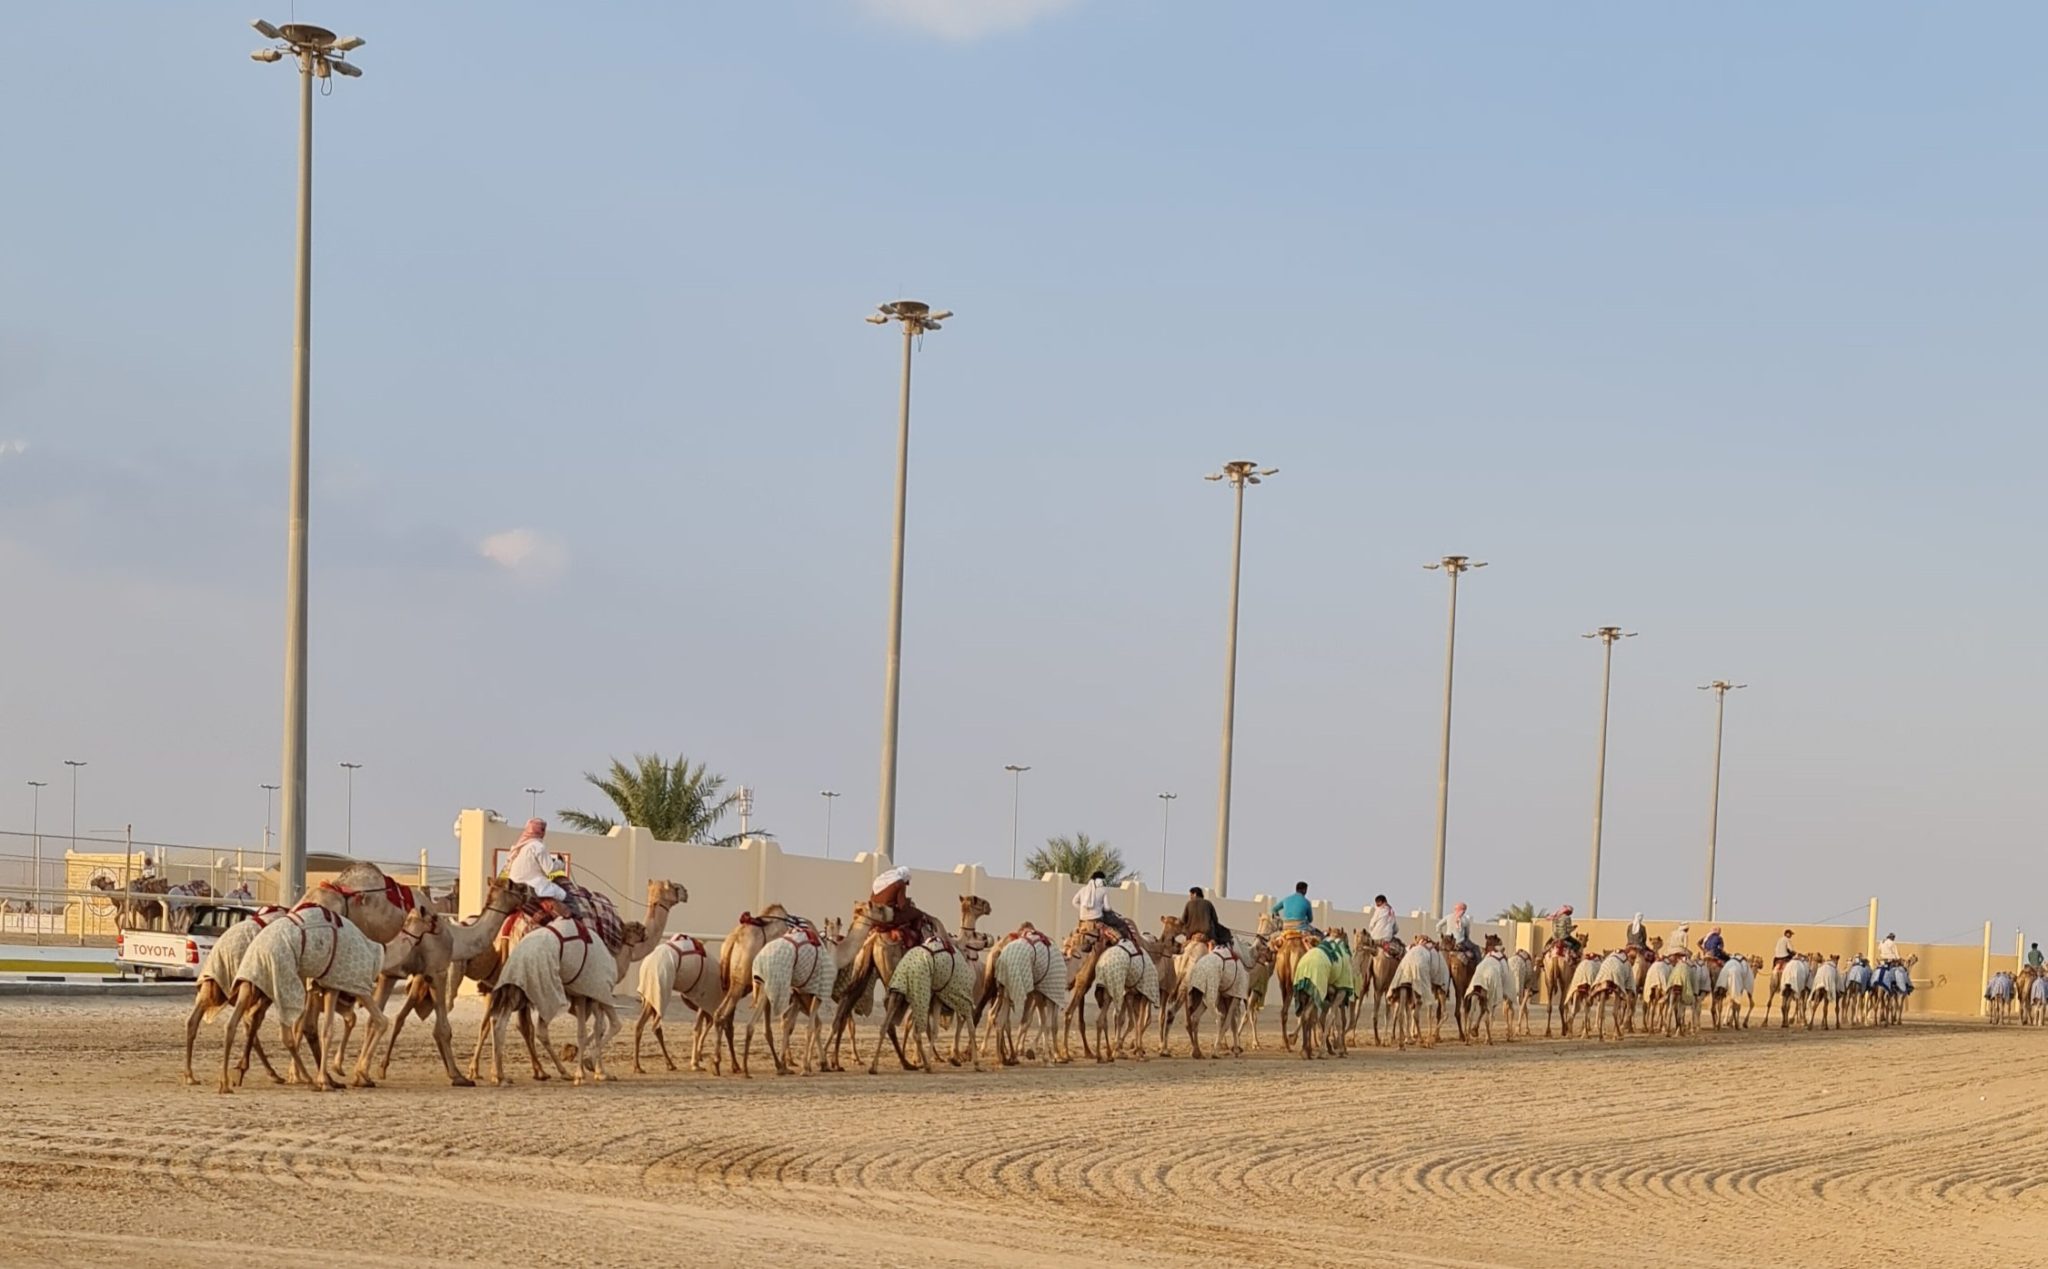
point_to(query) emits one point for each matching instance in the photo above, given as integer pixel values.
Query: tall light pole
(35, 824)
(1720, 688)
(1607, 635)
(533, 801)
(1165, 827)
(1452, 566)
(1240, 473)
(351, 768)
(74, 764)
(1016, 797)
(830, 797)
(916, 318)
(320, 55)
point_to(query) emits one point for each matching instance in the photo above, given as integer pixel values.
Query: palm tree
(1078, 858)
(673, 800)
(1516, 912)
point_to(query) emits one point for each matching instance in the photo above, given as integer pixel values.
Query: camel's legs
(242, 999)
(697, 1035)
(483, 1033)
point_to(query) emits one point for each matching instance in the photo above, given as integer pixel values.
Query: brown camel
(426, 970)
(1560, 962)
(1262, 978)
(935, 972)
(874, 964)
(1288, 945)
(1376, 965)
(736, 953)
(299, 947)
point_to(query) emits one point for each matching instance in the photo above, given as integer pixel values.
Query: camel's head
(508, 896)
(102, 883)
(1268, 923)
(973, 907)
(363, 892)
(1493, 942)
(1656, 944)
(418, 924)
(632, 932)
(666, 894)
(833, 931)
(1081, 941)
(1262, 950)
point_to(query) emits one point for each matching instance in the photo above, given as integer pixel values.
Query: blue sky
(1720, 324)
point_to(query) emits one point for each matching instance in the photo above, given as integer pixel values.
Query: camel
(736, 953)
(791, 975)
(1213, 977)
(935, 971)
(1560, 971)
(1789, 989)
(1377, 975)
(447, 943)
(1110, 979)
(1027, 980)
(1613, 986)
(1421, 973)
(1825, 995)
(1155, 987)
(681, 965)
(1893, 983)
(331, 938)
(1288, 946)
(217, 977)
(1493, 982)
(1528, 979)
(874, 962)
(1322, 978)
(974, 946)
(150, 903)
(2000, 993)
(1261, 978)
(1736, 982)
(563, 966)
(1461, 967)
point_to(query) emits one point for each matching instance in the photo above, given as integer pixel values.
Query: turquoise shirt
(1295, 907)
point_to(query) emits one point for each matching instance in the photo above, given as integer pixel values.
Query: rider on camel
(1092, 902)
(1198, 920)
(1457, 931)
(890, 909)
(1382, 926)
(1296, 913)
(1561, 929)
(539, 869)
(1638, 934)
(1782, 953)
(1712, 947)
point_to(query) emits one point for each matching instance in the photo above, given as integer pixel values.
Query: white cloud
(13, 447)
(964, 20)
(526, 553)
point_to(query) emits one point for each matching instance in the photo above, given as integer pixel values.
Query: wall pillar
(1870, 952)
(1984, 979)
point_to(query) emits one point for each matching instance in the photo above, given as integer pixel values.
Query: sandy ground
(1921, 1146)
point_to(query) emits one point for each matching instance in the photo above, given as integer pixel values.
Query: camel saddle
(584, 905)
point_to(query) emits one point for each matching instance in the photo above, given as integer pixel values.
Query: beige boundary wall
(726, 882)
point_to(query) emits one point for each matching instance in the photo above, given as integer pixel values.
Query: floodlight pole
(1720, 688)
(916, 318)
(1607, 635)
(1239, 473)
(1453, 566)
(319, 55)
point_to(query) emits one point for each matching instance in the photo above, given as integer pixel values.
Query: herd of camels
(354, 941)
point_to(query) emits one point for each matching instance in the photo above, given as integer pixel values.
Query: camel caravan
(543, 947)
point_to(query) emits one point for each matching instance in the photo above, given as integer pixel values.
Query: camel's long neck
(466, 941)
(657, 921)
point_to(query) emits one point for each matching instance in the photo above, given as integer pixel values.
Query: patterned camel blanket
(585, 905)
(225, 956)
(311, 944)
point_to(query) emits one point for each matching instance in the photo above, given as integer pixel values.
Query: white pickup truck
(156, 954)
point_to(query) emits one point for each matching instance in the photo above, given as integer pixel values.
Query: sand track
(1920, 1146)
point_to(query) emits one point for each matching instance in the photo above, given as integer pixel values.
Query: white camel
(1735, 987)
(1825, 995)
(1794, 981)
(680, 966)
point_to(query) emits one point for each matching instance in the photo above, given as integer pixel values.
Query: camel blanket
(1617, 973)
(225, 956)
(1146, 980)
(1583, 976)
(1421, 970)
(588, 905)
(1737, 978)
(925, 972)
(557, 961)
(1028, 965)
(1495, 977)
(1315, 971)
(676, 965)
(311, 943)
(796, 962)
